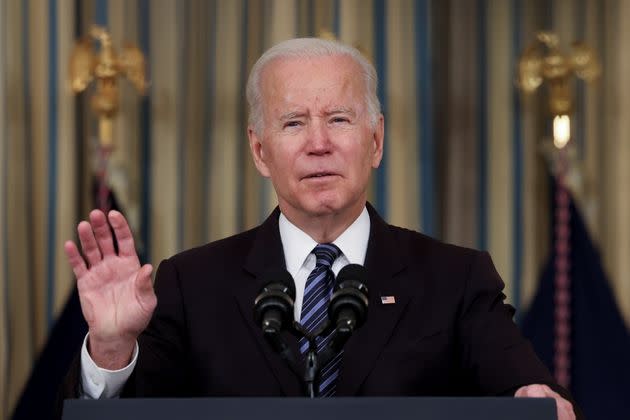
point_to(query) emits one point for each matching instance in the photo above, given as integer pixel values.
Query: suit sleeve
(495, 352)
(162, 369)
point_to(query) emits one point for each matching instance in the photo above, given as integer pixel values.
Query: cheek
(280, 162)
(366, 158)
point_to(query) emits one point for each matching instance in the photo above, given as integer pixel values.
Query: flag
(599, 342)
(39, 396)
(388, 300)
(64, 341)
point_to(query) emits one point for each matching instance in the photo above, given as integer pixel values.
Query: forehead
(322, 80)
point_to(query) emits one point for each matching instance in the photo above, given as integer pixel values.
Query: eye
(339, 119)
(292, 123)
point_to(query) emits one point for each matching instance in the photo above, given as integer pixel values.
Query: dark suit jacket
(449, 332)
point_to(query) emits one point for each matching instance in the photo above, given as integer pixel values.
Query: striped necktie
(317, 292)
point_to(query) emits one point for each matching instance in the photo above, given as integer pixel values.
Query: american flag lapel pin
(388, 300)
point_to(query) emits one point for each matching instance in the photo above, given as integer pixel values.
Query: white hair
(309, 48)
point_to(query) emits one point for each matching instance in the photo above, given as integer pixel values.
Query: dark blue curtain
(38, 399)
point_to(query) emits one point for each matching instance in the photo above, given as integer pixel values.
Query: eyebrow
(341, 110)
(291, 115)
(334, 111)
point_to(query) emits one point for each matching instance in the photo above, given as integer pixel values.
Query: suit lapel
(383, 266)
(266, 253)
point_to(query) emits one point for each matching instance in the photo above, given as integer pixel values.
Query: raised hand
(116, 293)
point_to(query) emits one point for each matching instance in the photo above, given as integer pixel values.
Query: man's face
(318, 145)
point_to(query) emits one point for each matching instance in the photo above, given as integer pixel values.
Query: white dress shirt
(300, 261)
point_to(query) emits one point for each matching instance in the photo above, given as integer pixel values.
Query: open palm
(116, 293)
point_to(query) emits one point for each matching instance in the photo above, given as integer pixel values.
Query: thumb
(144, 288)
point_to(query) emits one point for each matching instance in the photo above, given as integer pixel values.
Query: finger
(534, 391)
(102, 232)
(75, 259)
(564, 409)
(144, 288)
(90, 249)
(144, 282)
(549, 393)
(123, 234)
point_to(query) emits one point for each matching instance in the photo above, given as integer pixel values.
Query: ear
(378, 138)
(258, 154)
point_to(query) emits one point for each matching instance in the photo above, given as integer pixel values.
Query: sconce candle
(561, 130)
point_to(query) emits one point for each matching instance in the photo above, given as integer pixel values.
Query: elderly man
(316, 130)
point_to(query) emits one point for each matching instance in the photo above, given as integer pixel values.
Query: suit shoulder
(455, 267)
(420, 246)
(226, 249)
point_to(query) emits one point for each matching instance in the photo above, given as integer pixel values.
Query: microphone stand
(314, 362)
(312, 365)
(310, 374)
(340, 335)
(279, 346)
(311, 370)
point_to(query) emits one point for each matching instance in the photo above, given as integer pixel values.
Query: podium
(347, 408)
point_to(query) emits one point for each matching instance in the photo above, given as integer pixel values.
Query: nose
(319, 141)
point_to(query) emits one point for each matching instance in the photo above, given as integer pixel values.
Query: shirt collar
(297, 244)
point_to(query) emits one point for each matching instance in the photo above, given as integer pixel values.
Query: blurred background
(466, 157)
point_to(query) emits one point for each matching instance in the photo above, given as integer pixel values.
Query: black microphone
(273, 307)
(349, 302)
(273, 312)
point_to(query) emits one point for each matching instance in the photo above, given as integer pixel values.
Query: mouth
(320, 175)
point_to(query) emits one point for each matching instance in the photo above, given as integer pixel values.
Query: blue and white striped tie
(317, 292)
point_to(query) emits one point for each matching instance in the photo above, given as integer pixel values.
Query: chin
(321, 209)
(325, 206)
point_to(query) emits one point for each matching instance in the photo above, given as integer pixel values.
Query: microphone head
(278, 279)
(352, 272)
(273, 307)
(350, 297)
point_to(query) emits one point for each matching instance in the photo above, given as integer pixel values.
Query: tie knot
(326, 254)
